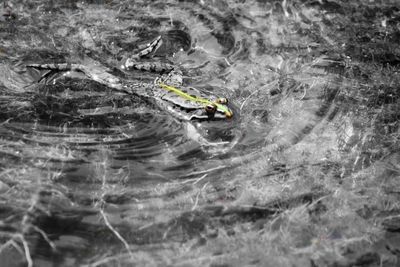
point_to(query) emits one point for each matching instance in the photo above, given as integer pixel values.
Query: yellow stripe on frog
(228, 113)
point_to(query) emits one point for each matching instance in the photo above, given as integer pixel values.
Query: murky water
(93, 176)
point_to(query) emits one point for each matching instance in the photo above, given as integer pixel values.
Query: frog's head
(191, 104)
(217, 109)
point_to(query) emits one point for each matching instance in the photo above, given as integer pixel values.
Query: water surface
(95, 177)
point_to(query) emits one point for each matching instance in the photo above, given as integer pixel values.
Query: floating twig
(262, 87)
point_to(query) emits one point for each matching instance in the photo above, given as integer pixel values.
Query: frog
(183, 102)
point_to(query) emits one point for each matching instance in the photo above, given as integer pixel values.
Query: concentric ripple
(98, 177)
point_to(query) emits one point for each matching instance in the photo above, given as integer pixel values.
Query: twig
(26, 249)
(197, 201)
(106, 260)
(10, 242)
(206, 171)
(262, 87)
(201, 178)
(212, 55)
(305, 90)
(244, 102)
(196, 180)
(115, 232)
(304, 95)
(146, 226)
(16, 246)
(166, 233)
(107, 222)
(44, 235)
(197, 196)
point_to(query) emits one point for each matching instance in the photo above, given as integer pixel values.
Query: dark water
(91, 176)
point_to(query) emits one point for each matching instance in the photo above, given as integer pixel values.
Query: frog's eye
(211, 109)
(222, 100)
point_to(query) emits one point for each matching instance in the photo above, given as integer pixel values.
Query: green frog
(185, 103)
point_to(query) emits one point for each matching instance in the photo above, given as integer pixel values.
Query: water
(95, 177)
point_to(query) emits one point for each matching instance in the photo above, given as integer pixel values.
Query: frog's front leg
(174, 78)
(197, 134)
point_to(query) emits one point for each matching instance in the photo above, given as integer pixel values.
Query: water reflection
(98, 176)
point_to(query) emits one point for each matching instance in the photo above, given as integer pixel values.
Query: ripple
(83, 161)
